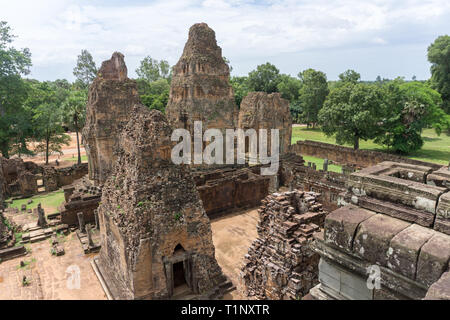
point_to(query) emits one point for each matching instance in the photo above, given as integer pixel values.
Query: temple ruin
(260, 110)
(393, 229)
(280, 264)
(156, 237)
(200, 89)
(380, 229)
(111, 95)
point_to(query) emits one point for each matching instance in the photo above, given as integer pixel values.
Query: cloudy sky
(386, 38)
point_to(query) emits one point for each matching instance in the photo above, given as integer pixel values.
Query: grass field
(75, 159)
(50, 202)
(319, 164)
(435, 149)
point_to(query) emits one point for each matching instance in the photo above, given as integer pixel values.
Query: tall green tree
(439, 56)
(312, 94)
(265, 78)
(152, 70)
(74, 111)
(240, 88)
(156, 94)
(289, 87)
(85, 71)
(352, 111)
(14, 118)
(48, 131)
(412, 106)
(350, 76)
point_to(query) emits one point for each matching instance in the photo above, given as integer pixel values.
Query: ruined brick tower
(260, 110)
(111, 95)
(200, 88)
(156, 238)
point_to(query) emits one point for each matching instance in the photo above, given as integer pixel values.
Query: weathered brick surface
(111, 97)
(200, 88)
(279, 264)
(260, 110)
(349, 156)
(150, 207)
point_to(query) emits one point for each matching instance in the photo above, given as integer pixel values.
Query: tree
(352, 111)
(240, 88)
(85, 71)
(14, 124)
(75, 112)
(412, 106)
(152, 70)
(289, 87)
(439, 56)
(312, 94)
(47, 120)
(156, 94)
(265, 78)
(350, 76)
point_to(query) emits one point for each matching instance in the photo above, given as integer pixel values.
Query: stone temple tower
(200, 88)
(111, 95)
(156, 238)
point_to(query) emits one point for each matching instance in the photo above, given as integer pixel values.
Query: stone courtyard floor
(232, 236)
(52, 278)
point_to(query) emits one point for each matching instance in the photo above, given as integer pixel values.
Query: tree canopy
(14, 124)
(265, 78)
(312, 94)
(85, 70)
(352, 111)
(152, 70)
(439, 56)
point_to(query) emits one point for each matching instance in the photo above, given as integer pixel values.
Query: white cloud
(57, 30)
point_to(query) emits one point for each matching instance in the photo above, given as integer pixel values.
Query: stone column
(325, 164)
(97, 225)
(89, 236)
(81, 222)
(41, 216)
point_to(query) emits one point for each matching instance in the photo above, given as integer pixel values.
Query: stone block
(405, 247)
(440, 290)
(340, 225)
(433, 259)
(374, 235)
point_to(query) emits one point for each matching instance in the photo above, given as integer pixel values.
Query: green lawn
(50, 201)
(319, 164)
(75, 159)
(435, 149)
